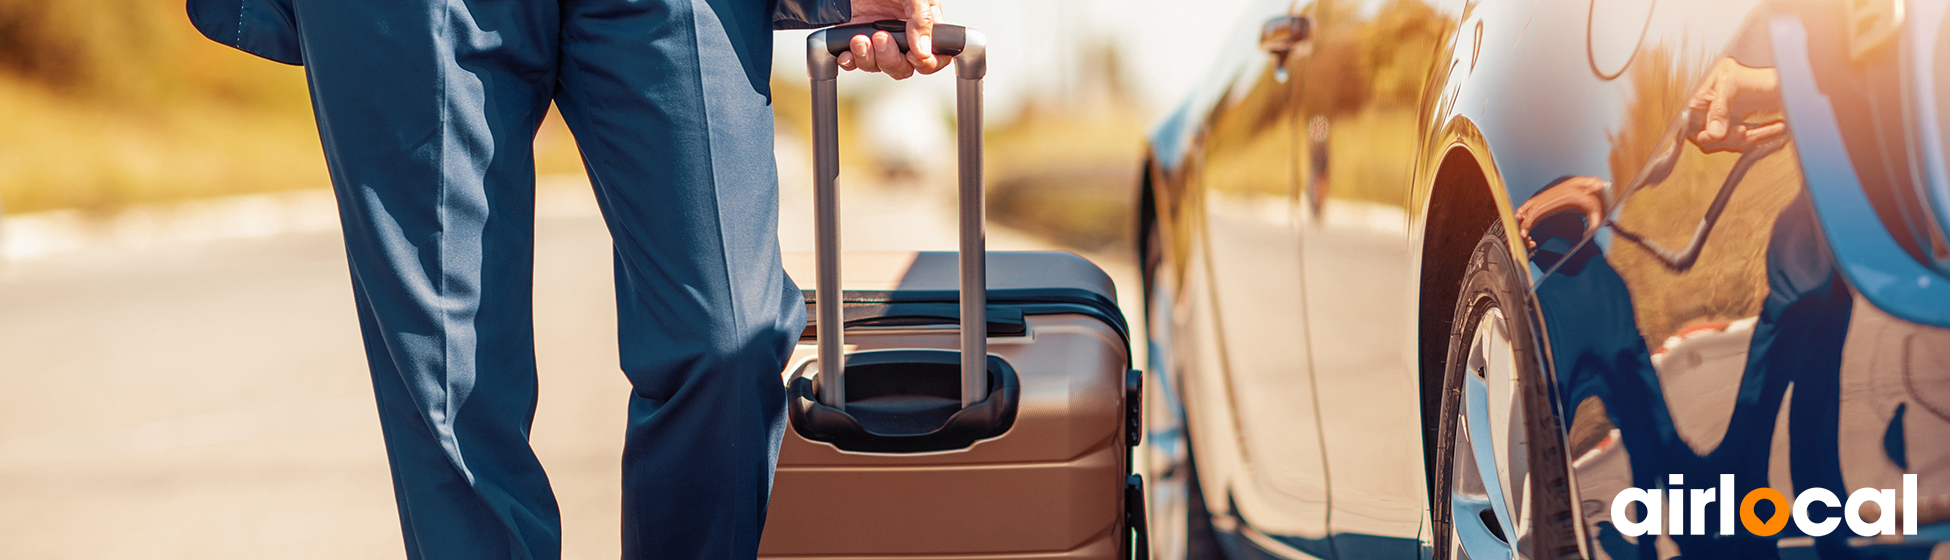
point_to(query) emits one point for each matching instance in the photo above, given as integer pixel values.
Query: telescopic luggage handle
(969, 49)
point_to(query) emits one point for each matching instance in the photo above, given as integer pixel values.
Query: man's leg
(668, 100)
(428, 112)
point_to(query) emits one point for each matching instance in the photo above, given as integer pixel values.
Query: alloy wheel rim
(1487, 486)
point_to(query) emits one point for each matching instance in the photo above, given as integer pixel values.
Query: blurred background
(180, 368)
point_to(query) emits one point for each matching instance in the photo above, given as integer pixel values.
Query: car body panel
(1246, 249)
(1361, 91)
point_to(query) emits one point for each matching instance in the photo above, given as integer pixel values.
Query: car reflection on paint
(1433, 278)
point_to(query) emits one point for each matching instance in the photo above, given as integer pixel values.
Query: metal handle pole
(974, 242)
(831, 328)
(971, 65)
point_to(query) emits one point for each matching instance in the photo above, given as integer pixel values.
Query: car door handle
(1281, 34)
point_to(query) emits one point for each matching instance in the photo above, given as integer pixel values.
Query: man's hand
(1737, 107)
(1579, 194)
(880, 54)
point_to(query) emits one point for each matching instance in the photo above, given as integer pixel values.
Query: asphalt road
(172, 391)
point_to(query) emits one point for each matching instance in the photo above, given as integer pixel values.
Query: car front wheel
(1501, 487)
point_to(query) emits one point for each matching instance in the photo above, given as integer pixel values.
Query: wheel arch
(1462, 200)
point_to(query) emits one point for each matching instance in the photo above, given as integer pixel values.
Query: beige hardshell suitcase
(1017, 449)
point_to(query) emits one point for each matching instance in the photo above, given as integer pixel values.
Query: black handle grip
(948, 39)
(903, 401)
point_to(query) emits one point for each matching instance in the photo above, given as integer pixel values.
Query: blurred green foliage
(135, 54)
(107, 103)
(1066, 167)
(1068, 177)
(110, 102)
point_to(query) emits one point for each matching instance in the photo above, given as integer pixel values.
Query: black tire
(1492, 281)
(1201, 540)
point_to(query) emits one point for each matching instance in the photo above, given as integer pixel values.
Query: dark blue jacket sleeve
(260, 27)
(809, 14)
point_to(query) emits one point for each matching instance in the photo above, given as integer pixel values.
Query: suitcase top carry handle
(970, 50)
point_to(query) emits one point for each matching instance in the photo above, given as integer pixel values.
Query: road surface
(171, 388)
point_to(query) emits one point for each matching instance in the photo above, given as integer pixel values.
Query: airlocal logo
(1675, 504)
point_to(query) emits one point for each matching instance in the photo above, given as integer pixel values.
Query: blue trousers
(428, 111)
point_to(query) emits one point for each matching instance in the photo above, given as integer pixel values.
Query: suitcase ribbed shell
(1051, 487)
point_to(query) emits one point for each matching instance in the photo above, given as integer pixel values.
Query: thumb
(1593, 204)
(920, 32)
(1716, 115)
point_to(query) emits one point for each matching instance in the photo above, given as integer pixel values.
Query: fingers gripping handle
(969, 48)
(948, 39)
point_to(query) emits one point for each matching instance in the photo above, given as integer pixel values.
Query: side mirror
(1282, 34)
